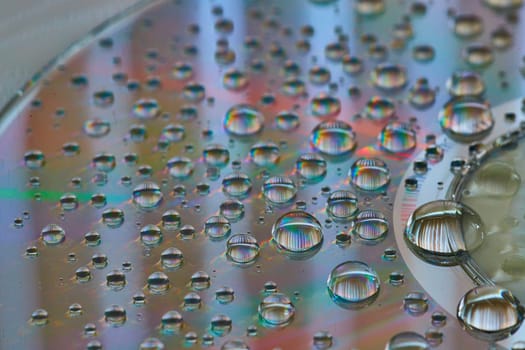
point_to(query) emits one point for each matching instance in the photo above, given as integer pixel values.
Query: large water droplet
(397, 137)
(442, 231)
(490, 313)
(369, 174)
(466, 119)
(341, 205)
(279, 189)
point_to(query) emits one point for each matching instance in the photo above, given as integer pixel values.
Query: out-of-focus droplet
(333, 138)
(379, 108)
(397, 138)
(466, 119)
(243, 120)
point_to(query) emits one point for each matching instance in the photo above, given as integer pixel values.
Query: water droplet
(39, 317)
(379, 108)
(96, 127)
(235, 80)
(319, 75)
(369, 174)
(243, 120)
(158, 283)
(279, 189)
(68, 202)
(233, 210)
(324, 105)
(151, 344)
(147, 108)
(34, 159)
(115, 315)
(341, 205)
(389, 77)
(370, 225)
(217, 227)
(466, 119)
(193, 92)
(192, 301)
(467, 25)
(397, 137)
(276, 310)
(180, 167)
(287, 121)
(182, 71)
(113, 217)
(502, 5)
(465, 83)
(297, 232)
(441, 231)
(242, 248)
(200, 280)
(83, 274)
(147, 195)
(423, 53)
(293, 87)
(495, 179)
(216, 155)
(490, 313)
(116, 280)
(265, 153)
(478, 55)
(52, 234)
(235, 344)
(311, 167)
(415, 303)
(369, 7)
(150, 235)
(171, 220)
(224, 295)
(221, 325)
(501, 38)
(421, 95)
(353, 284)
(75, 310)
(103, 98)
(171, 322)
(333, 138)
(407, 341)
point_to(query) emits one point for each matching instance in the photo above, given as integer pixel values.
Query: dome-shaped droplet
(68, 202)
(158, 283)
(407, 341)
(496, 180)
(224, 295)
(276, 310)
(217, 227)
(52, 234)
(441, 231)
(370, 225)
(221, 325)
(423, 53)
(39, 317)
(324, 105)
(193, 92)
(235, 80)
(171, 322)
(397, 137)
(369, 7)
(233, 210)
(478, 55)
(236, 184)
(113, 217)
(34, 159)
(182, 71)
(293, 87)
(467, 25)
(173, 132)
(115, 315)
(146, 108)
(502, 5)
(379, 108)
(150, 235)
(265, 153)
(235, 344)
(96, 127)
(465, 83)
(421, 95)
(171, 220)
(501, 38)
(353, 284)
(387, 76)
(171, 258)
(243, 120)
(311, 166)
(369, 174)
(180, 167)
(151, 344)
(466, 119)
(297, 232)
(147, 195)
(333, 138)
(287, 121)
(216, 155)
(242, 248)
(103, 98)
(490, 313)
(319, 75)
(200, 280)
(341, 205)
(279, 189)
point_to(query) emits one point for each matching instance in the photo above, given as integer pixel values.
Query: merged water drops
(466, 119)
(333, 138)
(353, 284)
(243, 120)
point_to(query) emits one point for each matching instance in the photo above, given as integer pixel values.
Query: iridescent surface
(145, 123)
